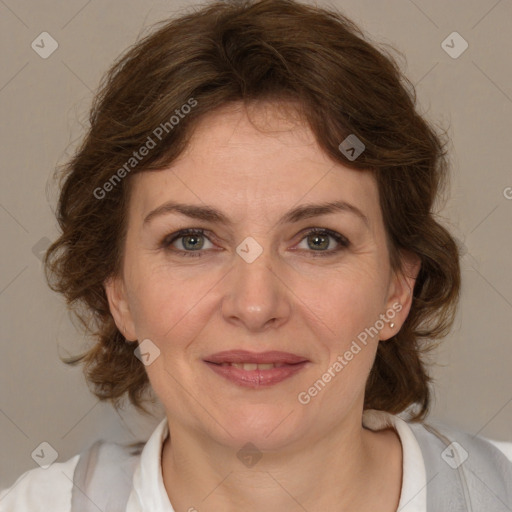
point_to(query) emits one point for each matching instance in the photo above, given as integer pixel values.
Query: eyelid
(343, 242)
(168, 240)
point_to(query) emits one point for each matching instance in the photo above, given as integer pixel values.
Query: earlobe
(401, 294)
(119, 307)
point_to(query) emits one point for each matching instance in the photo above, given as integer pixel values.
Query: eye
(191, 240)
(317, 239)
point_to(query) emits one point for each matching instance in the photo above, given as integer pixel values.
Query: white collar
(413, 496)
(149, 492)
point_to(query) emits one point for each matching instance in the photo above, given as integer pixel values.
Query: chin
(268, 427)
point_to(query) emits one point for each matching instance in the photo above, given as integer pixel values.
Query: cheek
(343, 303)
(343, 314)
(166, 304)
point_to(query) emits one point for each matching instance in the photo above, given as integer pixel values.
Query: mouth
(254, 366)
(245, 357)
(256, 370)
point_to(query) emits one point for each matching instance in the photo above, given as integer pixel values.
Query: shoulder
(96, 469)
(480, 463)
(104, 476)
(464, 470)
(41, 489)
(504, 446)
(463, 442)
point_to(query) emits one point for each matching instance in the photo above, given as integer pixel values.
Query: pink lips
(289, 364)
(243, 356)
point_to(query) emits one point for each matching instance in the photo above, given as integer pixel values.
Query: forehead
(261, 160)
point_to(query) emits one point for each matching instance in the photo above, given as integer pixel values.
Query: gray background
(44, 105)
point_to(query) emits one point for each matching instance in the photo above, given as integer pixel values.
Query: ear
(401, 293)
(119, 307)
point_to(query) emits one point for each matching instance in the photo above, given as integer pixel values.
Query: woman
(249, 226)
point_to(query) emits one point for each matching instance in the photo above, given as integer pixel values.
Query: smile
(253, 366)
(256, 376)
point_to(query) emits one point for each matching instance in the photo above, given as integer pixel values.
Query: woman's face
(257, 282)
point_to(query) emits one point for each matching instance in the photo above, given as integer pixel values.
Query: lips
(244, 358)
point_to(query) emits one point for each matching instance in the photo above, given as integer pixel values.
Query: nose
(256, 296)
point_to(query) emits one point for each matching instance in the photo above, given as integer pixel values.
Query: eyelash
(169, 239)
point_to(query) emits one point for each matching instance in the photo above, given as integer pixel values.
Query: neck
(351, 467)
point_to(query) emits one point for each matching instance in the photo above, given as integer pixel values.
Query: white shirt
(40, 490)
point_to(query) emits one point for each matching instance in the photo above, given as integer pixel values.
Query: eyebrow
(212, 214)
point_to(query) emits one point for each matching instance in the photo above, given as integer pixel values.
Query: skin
(315, 456)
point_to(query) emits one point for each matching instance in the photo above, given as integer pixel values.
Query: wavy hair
(254, 51)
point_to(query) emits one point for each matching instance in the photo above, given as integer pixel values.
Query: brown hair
(254, 51)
